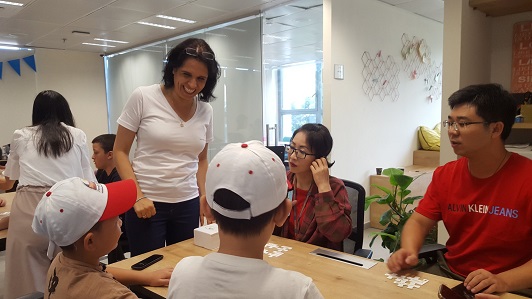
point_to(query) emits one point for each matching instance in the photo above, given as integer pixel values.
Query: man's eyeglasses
(459, 125)
(299, 153)
(195, 53)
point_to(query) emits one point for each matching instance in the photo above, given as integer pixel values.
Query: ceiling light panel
(111, 41)
(176, 19)
(11, 3)
(100, 45)
(156, 25)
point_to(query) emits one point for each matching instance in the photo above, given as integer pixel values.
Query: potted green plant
(399, 201)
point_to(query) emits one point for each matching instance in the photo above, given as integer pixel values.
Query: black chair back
(357, 197)
(279, 150)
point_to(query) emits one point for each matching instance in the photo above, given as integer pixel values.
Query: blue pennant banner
(15, 64)
(30, 61)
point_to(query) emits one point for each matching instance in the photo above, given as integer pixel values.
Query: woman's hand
(144, 208)
(205, 211)
(320, 172)
(2, 202)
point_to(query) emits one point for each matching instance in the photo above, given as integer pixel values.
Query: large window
(300, 97)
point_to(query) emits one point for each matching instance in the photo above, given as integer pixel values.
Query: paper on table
(522, 145)
(345, 258)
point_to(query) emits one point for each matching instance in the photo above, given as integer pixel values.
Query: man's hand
(485, 281)
(402, 259)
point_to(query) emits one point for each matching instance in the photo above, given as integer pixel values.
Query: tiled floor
(378, 252)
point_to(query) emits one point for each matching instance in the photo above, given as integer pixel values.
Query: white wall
(78, 76)
(369, 134)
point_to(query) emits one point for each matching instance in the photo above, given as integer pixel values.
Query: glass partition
(271, 73)
(238, 104)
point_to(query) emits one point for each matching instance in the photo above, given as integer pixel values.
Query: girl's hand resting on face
(320, 172)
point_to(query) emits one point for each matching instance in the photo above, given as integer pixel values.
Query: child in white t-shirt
(246, 191)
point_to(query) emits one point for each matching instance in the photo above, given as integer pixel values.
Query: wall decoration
(416, 56)
(433, 82)
(380, 77)
(30, 61)
(15, 64)
(522, 57)
(417, 63)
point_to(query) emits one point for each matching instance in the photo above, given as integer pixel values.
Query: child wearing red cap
(81, 217)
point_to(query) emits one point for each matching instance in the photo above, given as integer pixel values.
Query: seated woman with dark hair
(321, 210)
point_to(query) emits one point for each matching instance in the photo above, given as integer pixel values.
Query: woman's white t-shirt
(165, 162)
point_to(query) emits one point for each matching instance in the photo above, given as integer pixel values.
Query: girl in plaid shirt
(321, 210)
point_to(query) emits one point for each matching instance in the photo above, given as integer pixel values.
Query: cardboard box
(207, 236)
(526, 112)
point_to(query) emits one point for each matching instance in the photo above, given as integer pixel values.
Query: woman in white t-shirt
(172, 122)
(50, 150)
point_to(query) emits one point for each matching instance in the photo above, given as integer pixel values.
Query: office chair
(357, 198)
(429, 252)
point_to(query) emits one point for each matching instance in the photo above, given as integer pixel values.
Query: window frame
(317, 111)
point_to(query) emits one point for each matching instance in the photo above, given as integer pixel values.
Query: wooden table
(334, 279)
(8, 197)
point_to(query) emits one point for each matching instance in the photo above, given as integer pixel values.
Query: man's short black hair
(239, 227)
(492, 101)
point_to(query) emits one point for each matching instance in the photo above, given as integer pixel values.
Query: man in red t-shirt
(484, 198)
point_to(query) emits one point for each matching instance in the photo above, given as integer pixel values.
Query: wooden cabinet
(521, 133)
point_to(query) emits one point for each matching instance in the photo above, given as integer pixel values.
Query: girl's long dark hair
(53, 139)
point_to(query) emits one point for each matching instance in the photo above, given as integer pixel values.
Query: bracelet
(138, 199)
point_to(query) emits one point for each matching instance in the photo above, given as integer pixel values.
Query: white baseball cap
(252, 171)
(73, 206)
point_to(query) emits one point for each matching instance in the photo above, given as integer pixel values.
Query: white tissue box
(207, 236)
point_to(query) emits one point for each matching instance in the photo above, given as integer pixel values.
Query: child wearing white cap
(82, 218)
(246, 190)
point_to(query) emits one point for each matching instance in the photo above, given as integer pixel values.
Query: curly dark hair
(176, 58)
(492, 101)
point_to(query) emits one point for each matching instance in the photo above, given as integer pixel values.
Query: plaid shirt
(325, 220)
